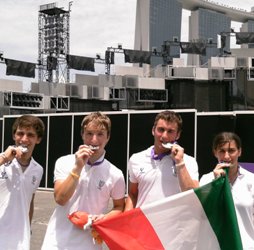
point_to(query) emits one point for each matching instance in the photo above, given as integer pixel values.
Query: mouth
(167, 145)
(226, 164)
(94, 148)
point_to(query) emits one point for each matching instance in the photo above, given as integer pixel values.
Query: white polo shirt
(243, 196)
(97, 184)
(16, 191)
(156, 178)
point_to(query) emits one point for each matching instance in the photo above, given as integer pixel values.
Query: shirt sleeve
(131, 172)
(118, 191)
(63, 167)
(192, 167)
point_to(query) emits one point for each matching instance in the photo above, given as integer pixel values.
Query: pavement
(44, 205)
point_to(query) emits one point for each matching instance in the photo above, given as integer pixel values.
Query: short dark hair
(29, 121)
(169, 116)
(99, 119)
(225, 137)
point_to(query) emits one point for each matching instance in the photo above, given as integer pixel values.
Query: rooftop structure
(236, 14)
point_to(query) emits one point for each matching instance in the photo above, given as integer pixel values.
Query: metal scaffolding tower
(54, 43)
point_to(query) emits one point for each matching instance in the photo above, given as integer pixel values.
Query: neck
(24, 163)
(233, 174)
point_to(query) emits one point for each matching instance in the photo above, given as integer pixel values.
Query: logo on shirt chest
(141, 171)
(100, 184)
(3, 175)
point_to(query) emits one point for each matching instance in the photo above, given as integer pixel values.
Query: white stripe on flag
(181, 223)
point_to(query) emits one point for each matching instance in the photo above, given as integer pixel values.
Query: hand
(219, 169)
(11, 152)
(82, 155)
(97, 217)
(177, 153)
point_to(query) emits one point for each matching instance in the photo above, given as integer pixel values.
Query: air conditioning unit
(215, 73)
(23, 100)
(94, 92)
(242, 62)
(61, 103)
(229, 73)
(130, 82)
(117, 94)
(152, 95)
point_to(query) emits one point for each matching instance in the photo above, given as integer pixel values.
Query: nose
(24, 138)
(227, 155)
(164, 135)
(94, 138)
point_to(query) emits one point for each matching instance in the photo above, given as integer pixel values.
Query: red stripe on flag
(128, 231)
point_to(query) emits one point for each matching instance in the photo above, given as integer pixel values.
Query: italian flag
(203, 218)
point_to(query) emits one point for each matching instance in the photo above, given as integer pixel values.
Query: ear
(153, 131)
(39, 140)
(240, 152)
(178, 136)
(215, 153)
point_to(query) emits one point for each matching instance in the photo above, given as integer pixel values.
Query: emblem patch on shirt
(3, 175)
(33, 180)
(141, 171)
(100, 184)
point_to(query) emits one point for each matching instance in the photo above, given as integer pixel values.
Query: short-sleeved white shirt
(243, 196)
(156, 178)
(16, 192)
(97, 184)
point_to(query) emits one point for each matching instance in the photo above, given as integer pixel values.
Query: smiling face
(96, 136)
(164, 132)
(26, 136)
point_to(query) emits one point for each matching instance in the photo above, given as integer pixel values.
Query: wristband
(74, 175)
(180, 164)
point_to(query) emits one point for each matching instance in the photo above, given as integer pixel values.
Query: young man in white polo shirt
(161, 171)
(20, 176)
(85, 181)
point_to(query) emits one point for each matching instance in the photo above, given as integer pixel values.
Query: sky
(94, 26)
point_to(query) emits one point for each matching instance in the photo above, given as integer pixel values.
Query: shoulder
(206, 178)
(189, 158)
(112, 168)
(141, 154)
(36, 165)
(65, 158)
(247, 174)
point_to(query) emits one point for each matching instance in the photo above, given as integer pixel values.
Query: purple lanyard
(159, 156)
(96, 163)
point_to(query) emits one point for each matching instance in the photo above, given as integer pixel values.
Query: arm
(64, 189)
(131, 200)
(31, 211)
(184, 178)
(118, 206)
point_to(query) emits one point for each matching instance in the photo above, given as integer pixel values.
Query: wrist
(180, 164)
(74, 174)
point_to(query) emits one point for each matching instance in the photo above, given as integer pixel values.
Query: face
(228, 153)
(95, 136)
(164, 132)
(27, 137)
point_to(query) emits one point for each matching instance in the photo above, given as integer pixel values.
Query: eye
(161, 130)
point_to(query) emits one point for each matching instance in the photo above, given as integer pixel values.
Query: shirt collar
(159, 156)
(98, 162)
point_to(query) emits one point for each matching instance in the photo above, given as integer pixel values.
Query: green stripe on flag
(217, 202)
